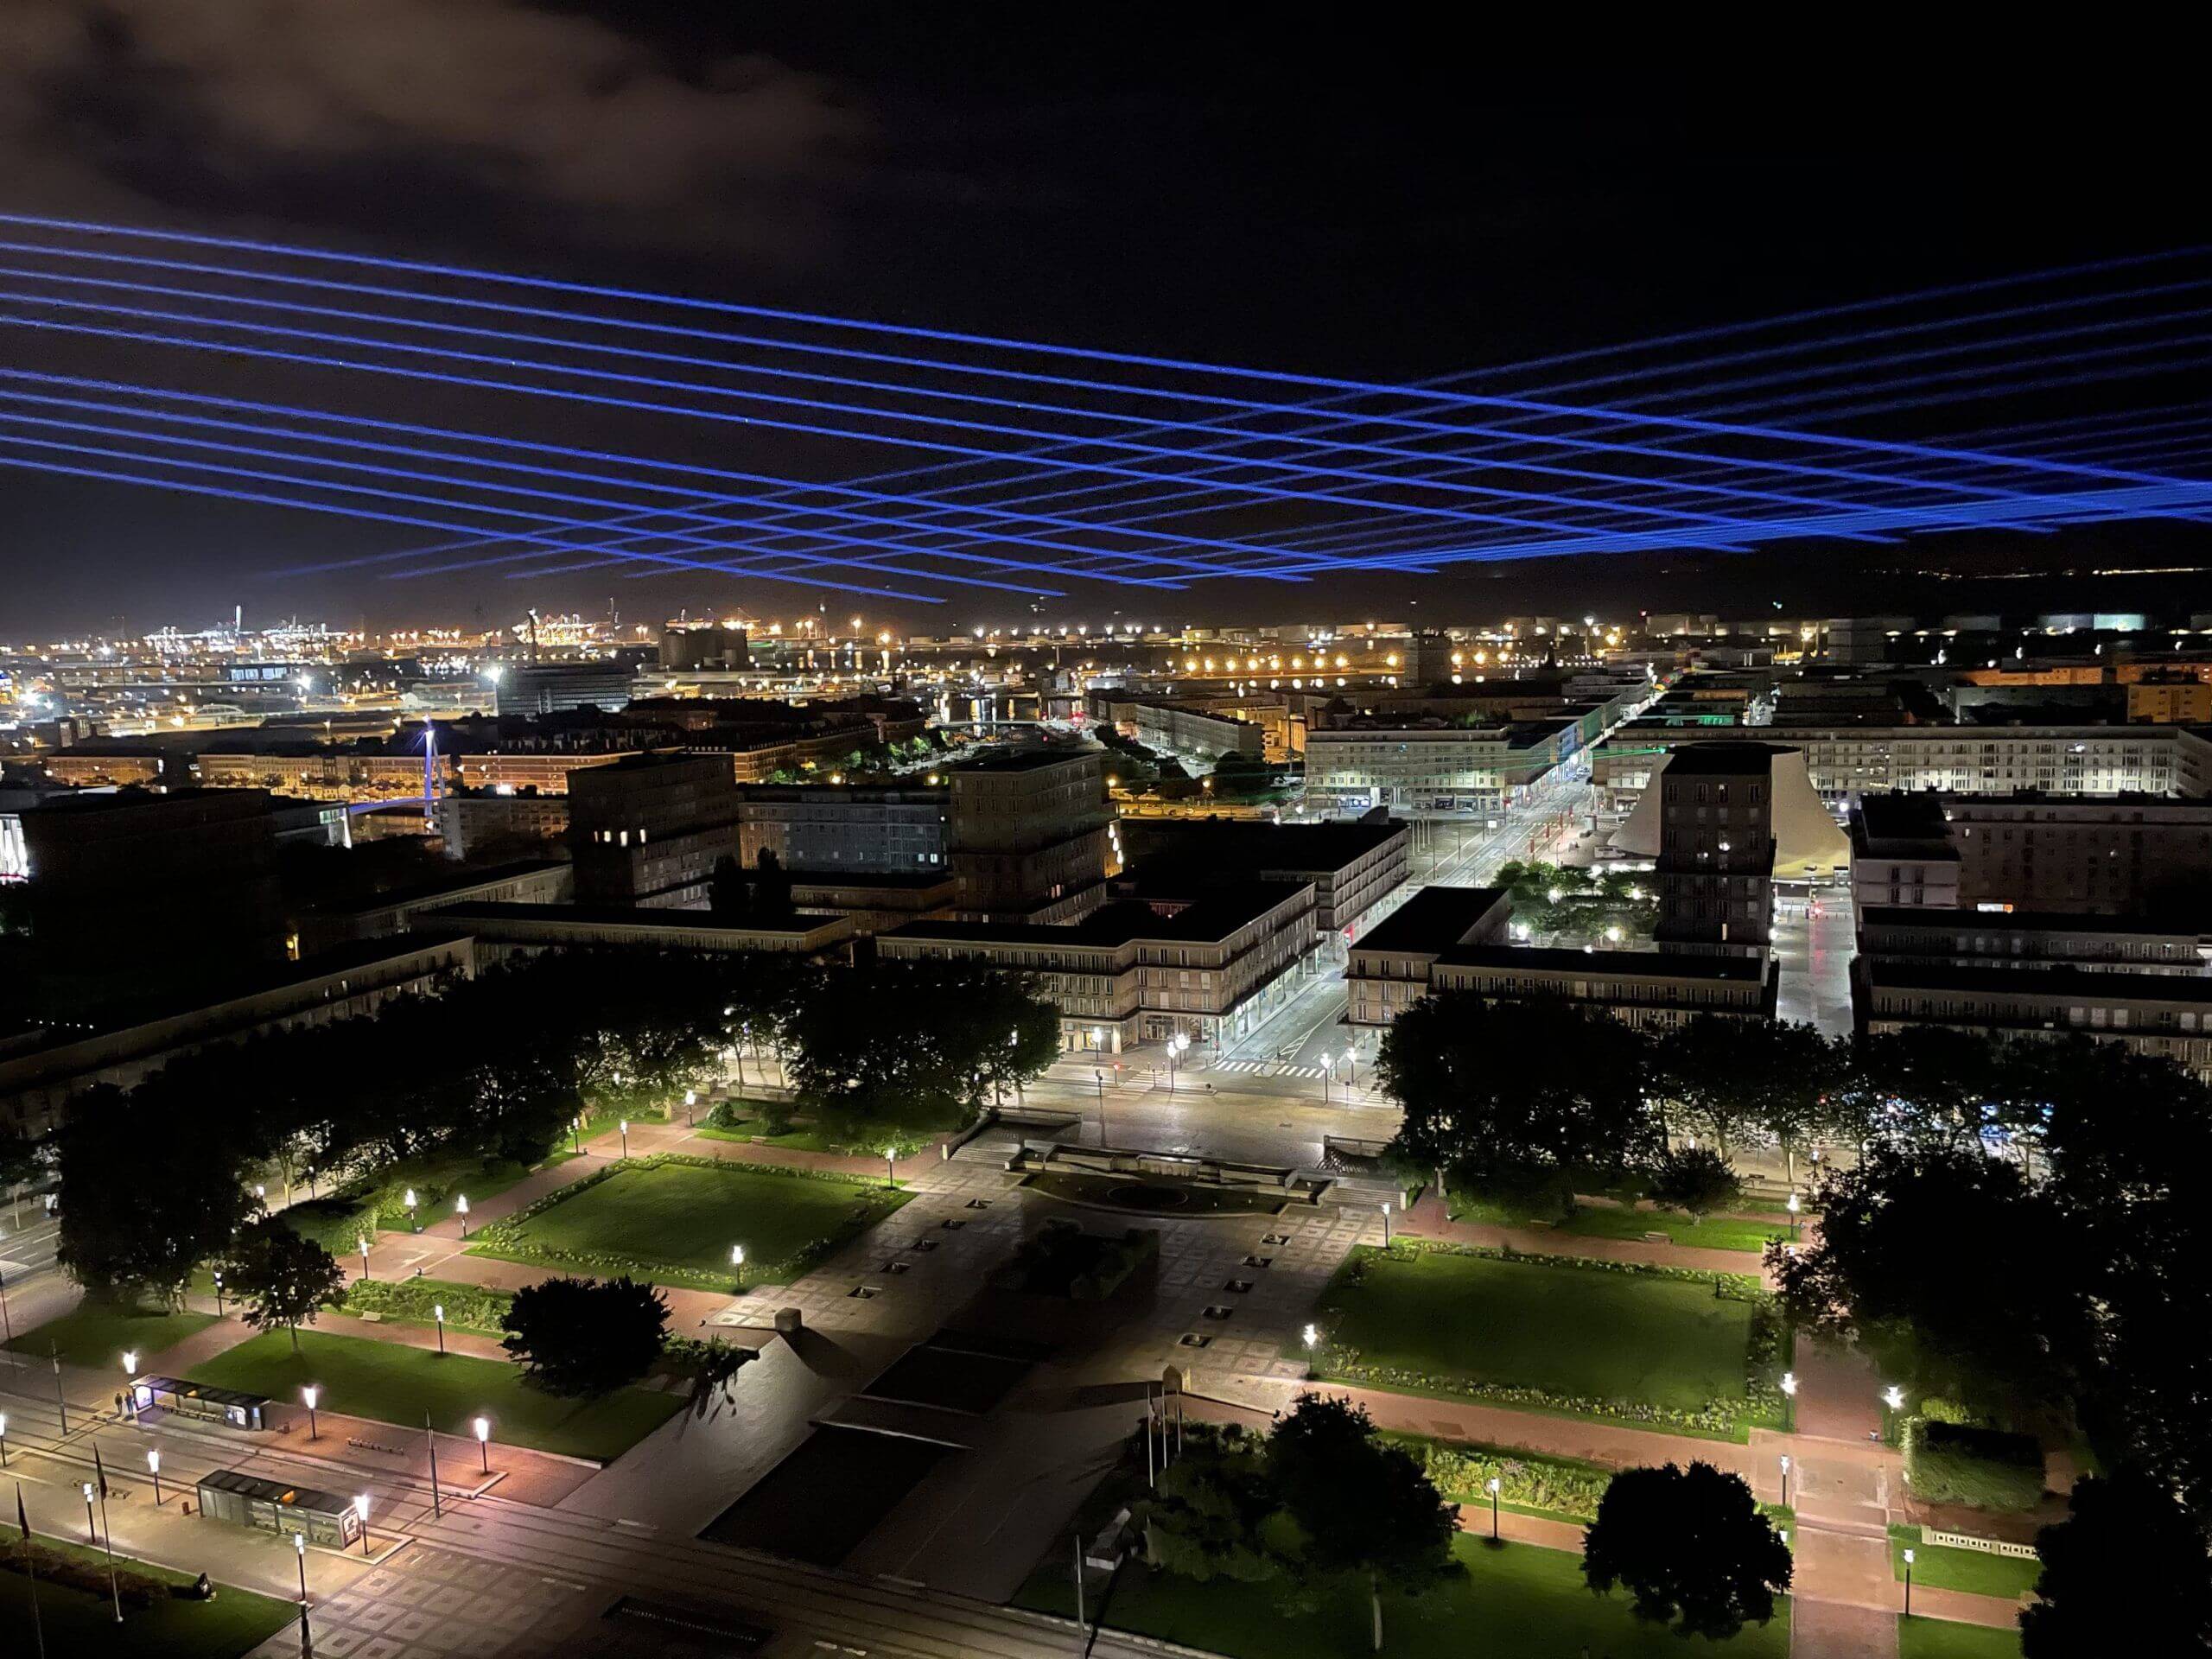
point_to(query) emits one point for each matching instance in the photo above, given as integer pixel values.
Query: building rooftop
(1226, 908)
(1725, 759)
(1642, 964)
(1434, 920)
(2089, 984)
(2026, 921)
(1025, 759)
(1240, 844)
(658, 918)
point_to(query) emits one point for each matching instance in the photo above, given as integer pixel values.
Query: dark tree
(1691, 1547)
(1886, 1220)
(584, 1336)
(1500, 1090)
(726, 898)
(1207, 1516)
(1696, 1180)
(147, 1200)
(280, 1278)
(2125, 1573)
(1362, 1508)
(1738, 1077)
(771, 891)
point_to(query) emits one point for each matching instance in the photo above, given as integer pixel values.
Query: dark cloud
(362, 112)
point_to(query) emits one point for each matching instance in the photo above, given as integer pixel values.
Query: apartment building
(471, 822)
(1649, 989)
(1432, 765)
(649, 831)
(1846, 763)
(1388, 970)
(1137, 971)
(1902, 852)
(2035, 939)
(1353, 866)
(317, 773)
(2165, 1016)
(1030, 834)
(847, 828)
(2123, 856)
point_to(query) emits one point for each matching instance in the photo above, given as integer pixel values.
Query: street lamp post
(438, 1508)
(1386, 1224)
(4, 1439)
(409, 1201)
(461, 1209)
(1785, 1480)
(483, 1426)
(1325, 1060)
(60, 1400)
(1892, 1403)
(219, 1292)
(1908, 1581)
(1493, 1485)
(310, 1394)
(438, 1312)
(154, 1468)
(362, 1509)
(737, 1263)
(891, 1166)
(623, 1125)
(690, 1099)
(92, 1527)
(1793, 1215)
(131, 1381)
(362, 1243)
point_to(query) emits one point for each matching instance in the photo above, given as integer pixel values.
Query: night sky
(1390, 204)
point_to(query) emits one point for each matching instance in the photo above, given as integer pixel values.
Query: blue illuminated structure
(1347, 474)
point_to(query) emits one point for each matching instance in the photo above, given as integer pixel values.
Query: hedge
(468, 1307)
(1463, 1473)
(74, 1573)
(1986, 1468)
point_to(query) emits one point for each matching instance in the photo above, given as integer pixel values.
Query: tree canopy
(280, 1278)
(1691, 1547)
(583, 1337)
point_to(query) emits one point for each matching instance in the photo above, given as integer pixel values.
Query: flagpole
(30, 1567)
(107, 1537)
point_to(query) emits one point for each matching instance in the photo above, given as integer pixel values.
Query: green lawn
(1941, 1567)
(1936, 1638)
(748, 1132)
(674, 1223)
(1519, 1600)
(235, 1622)
(1594, 1341)
(1713, 1233)
(1621, 1221)
(393, 1382)
(99, 1332)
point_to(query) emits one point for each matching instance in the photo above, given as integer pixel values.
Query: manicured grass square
(675, 1223)
(1938, 1567)
(235, 1622)
(1936, 1638)
(1521, 1600)
(99, 1332)
(1584, 1333)
(1713, 1233)
(396, 1384)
